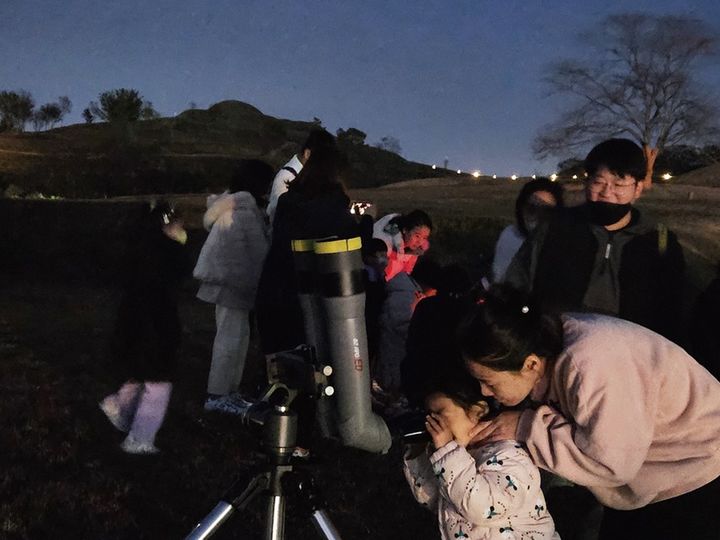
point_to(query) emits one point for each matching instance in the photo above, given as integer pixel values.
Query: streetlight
(476, 174)
(553, 177)
(667, 176)
(513, 177)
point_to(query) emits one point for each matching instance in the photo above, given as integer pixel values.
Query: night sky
(460, 80)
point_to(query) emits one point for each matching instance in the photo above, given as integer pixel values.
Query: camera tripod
(276, 479)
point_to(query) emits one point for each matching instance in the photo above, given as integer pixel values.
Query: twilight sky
(450, 79)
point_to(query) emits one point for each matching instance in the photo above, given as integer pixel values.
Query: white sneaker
(227, 405)
(131, 446)
(111, 409)
(301, 453)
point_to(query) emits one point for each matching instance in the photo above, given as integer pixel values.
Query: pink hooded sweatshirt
(626, 413)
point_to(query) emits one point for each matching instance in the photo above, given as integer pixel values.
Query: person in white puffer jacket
(229, 268)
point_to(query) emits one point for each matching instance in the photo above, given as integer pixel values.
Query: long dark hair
(533, 186)
(416, 218)
(318, 138)
(507, 327)
(253, 176)
(321, 174)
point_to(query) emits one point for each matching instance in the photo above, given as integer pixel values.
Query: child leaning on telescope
(486, 490)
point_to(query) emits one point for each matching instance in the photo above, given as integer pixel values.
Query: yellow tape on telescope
(302, 245)
(338, 246)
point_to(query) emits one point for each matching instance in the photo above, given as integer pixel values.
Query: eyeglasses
(597, 186)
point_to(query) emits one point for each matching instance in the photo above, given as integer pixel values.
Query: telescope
(332, 368)
(331, 291)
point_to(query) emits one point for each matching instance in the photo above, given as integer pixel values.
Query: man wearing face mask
(604, 256)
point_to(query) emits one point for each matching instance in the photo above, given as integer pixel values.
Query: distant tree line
(391, 144)
(17, 109)
(121, 105)
(676, 160)
(353, 136)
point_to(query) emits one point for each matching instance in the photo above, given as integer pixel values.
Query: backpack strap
(662, 240)
(290, 170)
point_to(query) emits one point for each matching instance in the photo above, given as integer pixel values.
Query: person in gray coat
(229, 268)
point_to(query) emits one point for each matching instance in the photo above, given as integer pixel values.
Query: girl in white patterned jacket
(489, 490)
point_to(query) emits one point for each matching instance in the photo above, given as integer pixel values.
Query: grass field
(63, 473)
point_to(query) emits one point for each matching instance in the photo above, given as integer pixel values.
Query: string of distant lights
(553, 177)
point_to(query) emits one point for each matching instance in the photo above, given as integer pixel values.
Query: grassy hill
(706, 176)
(192, 152)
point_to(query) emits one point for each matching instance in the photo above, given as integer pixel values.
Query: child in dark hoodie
(148, 328)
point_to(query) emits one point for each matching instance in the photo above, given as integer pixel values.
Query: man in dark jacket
(604, 256)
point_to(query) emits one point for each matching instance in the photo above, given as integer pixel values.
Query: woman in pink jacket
(613, 406)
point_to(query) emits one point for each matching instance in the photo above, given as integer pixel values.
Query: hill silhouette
(192, 152)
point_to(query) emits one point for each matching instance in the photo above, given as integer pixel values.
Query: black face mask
(604, 213)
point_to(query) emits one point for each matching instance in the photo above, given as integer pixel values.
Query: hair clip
(525, 309)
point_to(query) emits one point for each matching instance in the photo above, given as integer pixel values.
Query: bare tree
(48, 115)
(639, 83)
(16, 108)
(88, 116)
(65, 105)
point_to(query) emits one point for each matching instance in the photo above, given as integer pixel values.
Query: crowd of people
(571, 357)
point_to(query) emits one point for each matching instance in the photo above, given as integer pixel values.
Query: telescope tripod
(278, 480)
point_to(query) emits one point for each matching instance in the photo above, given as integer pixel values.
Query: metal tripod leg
(281, 479)
(276, 480)
(324, 525)
(224, 509)
(275, 516)
(302, 490)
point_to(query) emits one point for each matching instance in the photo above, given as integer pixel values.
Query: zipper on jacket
(606, 259)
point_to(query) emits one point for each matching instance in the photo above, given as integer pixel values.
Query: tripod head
(290, 374)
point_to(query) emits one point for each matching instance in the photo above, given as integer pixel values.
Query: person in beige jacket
(613, 406)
